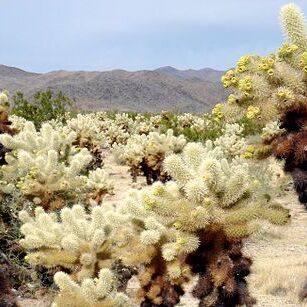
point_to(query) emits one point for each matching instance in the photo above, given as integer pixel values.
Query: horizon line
(115, 69)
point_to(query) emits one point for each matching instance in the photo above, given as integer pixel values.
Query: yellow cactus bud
(252, 112)
(148, 202)
(177, 225)
(205, 177)
(181, 241)
(256, 183)
(207, 201)
(248, 155)
(232, 98)
(158, 190)
(284, 94)
(217, 111)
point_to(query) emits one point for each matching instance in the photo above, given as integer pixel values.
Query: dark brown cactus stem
(152, 174)
(123, 274)
(8, 220)
(294, 118)
(5, 127)
(155, 173)
(292, 149)
(292, 146)
(95, 151)
(169, 293)
(157, 290)
(222, 269)
(7, 297)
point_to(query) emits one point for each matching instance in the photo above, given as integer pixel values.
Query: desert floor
(279, 254)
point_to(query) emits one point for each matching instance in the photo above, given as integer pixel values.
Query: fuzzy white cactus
(263, 88)
(46, 166)
(99, 183)
(77, 240)
(210, 203)
(207, 190)
(185, 120)
(145, 153)
(294, 25)
(188, 120)
(133, 152)
(100, 291)
(115, 134)
(4, 100)
(155, 120)
(232, 142)
(18, 122)
(88, 128)
(271, 131)
(31, 140)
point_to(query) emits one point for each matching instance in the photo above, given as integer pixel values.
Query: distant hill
(206, 74)
(165, 88)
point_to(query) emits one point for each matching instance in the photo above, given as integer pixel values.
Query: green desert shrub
(45, 106)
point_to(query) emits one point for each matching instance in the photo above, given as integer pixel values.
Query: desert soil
(279, 254)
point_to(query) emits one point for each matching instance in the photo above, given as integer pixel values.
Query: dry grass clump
(280, 277)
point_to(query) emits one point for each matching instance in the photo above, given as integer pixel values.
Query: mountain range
(165, 88)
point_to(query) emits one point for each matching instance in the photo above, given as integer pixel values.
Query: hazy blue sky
(45, 35)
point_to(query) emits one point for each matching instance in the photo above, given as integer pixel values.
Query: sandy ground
(279, 270)
(29, 302)
(280, 259)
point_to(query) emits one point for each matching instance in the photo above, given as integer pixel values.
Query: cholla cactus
(267, 87)
(265, 144)
(117, 130)
(272, 89)
(271, 131)
(156, 120)
(96, 129)
(195, 223)
(145, 153)
(232, 142)
(294, 25)
(46, 168)
(4, 100)
(142, 125)
(115, 135)
(193, 122)
(122, 126)
(273, 172)
(98, 292)
(17, 122)
(78, 241)
(82, 244)
(186, 120)
(98, 182)
(89, 129)
(292, 149)
(291, 146)
(5, 124)
(132, 153)
(217, 112)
